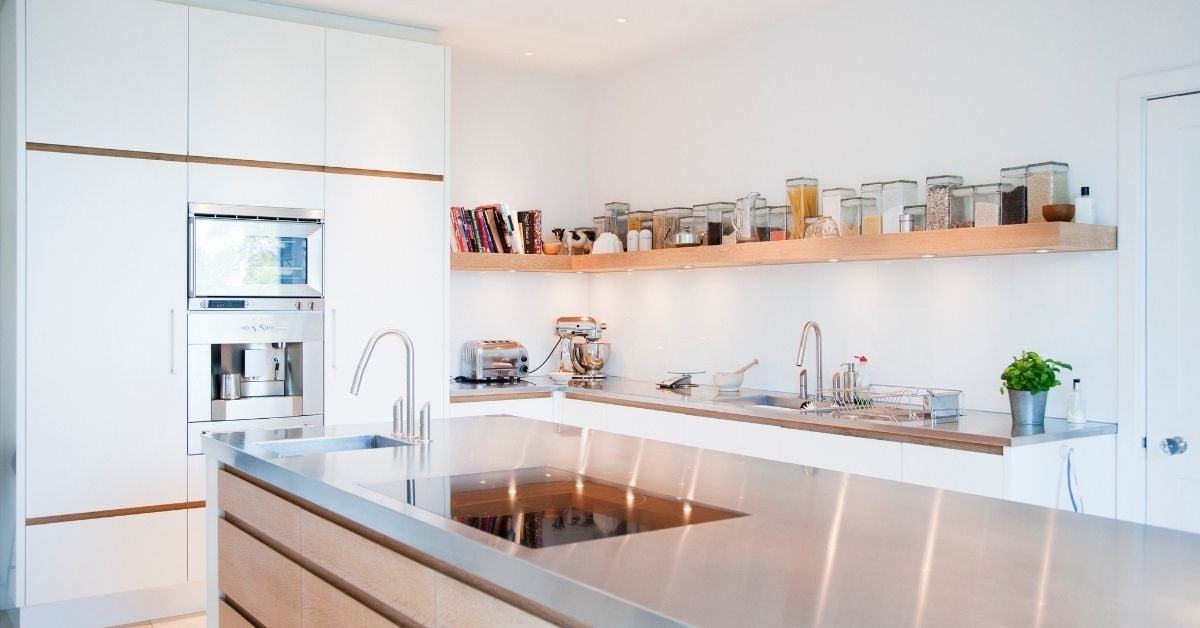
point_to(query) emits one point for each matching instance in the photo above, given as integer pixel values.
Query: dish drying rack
(895, 404)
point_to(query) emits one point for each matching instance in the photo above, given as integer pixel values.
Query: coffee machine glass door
(254, 257)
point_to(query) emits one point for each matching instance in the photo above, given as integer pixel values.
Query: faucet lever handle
(424, 435)
(398, 417)
(804, 383)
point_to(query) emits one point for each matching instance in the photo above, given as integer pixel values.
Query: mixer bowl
(590, 356)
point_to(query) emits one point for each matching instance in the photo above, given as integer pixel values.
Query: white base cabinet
(541, 409)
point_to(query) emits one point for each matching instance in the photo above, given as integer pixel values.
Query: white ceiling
(582, 34)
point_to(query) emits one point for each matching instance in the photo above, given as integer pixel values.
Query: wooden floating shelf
(1052, 237)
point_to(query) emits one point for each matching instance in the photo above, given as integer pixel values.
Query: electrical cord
(552, 350)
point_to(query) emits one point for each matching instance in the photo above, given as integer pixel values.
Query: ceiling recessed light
(928, 255)
(622, 20)
(833, 259)
(687, 266)
(529, 54)
(1041, 250)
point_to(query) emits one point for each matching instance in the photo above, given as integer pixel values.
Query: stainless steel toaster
(493, 360)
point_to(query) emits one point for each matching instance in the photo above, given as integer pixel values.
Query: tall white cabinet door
(256, 88)
(105, 424)
(386, 103)
(109, 74)
(385, 266)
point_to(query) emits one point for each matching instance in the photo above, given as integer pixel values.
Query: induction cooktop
(543, 506)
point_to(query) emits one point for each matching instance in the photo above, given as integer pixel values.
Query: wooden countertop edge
(501, 396)
(915, 439)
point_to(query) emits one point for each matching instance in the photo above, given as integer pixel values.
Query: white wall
(518, 136)
(863, 90)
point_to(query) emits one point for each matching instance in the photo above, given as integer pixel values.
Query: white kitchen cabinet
(263, 187)
(107, 74)
(77, 559)
(385, 266)
(106, 290)
(964, 471)
(256, 88)
(196, 476)
(385, 103)
(541, 409)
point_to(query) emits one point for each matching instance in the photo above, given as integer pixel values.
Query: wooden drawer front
(461, 605)
(266, 512)
(325, 605)
(258, 578)
(394, 580)
(228, 617)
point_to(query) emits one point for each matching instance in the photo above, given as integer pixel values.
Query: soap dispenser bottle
(1075, 404)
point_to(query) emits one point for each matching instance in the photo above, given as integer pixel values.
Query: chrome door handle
(1173, 446)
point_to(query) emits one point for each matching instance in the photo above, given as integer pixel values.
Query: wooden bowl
(551, 248)
(1061, 212)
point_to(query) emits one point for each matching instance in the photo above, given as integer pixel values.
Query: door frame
(1133, 95)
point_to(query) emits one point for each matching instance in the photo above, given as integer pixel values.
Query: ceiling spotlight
(622, 20)
(833, 259)
(928, 255)
(1041, 250)
(529, 54)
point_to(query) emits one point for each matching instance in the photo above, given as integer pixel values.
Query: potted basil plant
(1028, 380)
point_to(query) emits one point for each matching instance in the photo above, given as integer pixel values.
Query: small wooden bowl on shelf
(551, 248)
(1059, 212)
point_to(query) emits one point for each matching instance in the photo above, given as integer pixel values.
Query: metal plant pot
(1027, 408)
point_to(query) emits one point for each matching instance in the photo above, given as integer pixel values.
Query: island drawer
(229, 617)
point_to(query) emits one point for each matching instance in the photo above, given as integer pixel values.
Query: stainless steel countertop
(977, 431)
(818, 547)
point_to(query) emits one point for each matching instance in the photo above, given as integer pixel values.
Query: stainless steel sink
(324, 445)
(780, 402)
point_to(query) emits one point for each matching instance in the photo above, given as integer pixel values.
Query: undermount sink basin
(324, 445)
(780, 402)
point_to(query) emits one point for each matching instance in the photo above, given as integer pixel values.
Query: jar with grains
(1047, 185)
(640, 220)
(831, 200)
(666, 225)
(896, 194)
(962, 206)
(988, 201)
(780, 222)
(619, 212)
(872, 191)
(716, 216)
(937, 200)
(850, 223)
(802, 196)
(1012, 201)
(762, 223)
(918, 216)
(604, 224)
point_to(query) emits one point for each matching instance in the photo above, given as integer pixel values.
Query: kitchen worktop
(975, 430)
(817, 547)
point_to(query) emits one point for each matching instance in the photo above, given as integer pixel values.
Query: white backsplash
(952, 323)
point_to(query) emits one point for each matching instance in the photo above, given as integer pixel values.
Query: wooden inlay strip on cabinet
(501, 397)
(115, 512)
(226, 161)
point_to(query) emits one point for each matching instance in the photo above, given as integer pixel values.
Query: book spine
(537, 231)
(485, 238)
(510, 225)
(456, 237)
(526, 224)
(477, 243)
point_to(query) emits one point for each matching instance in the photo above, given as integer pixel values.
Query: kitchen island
(793, 545)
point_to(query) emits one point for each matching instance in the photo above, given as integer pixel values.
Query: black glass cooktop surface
(543, 506)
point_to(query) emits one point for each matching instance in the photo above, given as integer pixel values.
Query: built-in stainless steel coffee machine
(256, 318)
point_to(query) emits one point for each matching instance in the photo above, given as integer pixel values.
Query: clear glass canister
(896, 194)
(850, 222)
(918, 216)
(937, 200)
(962, 208)
(604, 224)
(989, 198)
(872, 191)
(716, 216)
(762, 223)
(666, 225)
(780, 223)
(831, 200)
(1046, 184)
(619, 213)
(640, 220)
(1012, 202)
(805, 203)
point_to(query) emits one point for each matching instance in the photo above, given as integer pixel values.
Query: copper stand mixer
(581, 351)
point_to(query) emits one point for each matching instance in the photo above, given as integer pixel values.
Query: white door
(385, 266)
(1172, 303)
(107, 263)
(256, 88)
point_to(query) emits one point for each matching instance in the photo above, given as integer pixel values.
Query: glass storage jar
(962, 207)
(802, 196)
(640, 220)
(896, 194)
(604, 224)
(937, 200)
(1046, 184)
(619, 213)
(718, 218)
(872, 191)
(918, 216)
(988, 199)
(780, 223)
(762, 223)
(831, 200)
(1012, 202)
(691, 231)
(850, 222)
(666, 225)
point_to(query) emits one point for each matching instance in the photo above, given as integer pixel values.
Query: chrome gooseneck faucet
(816, 329)
(409, 401)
